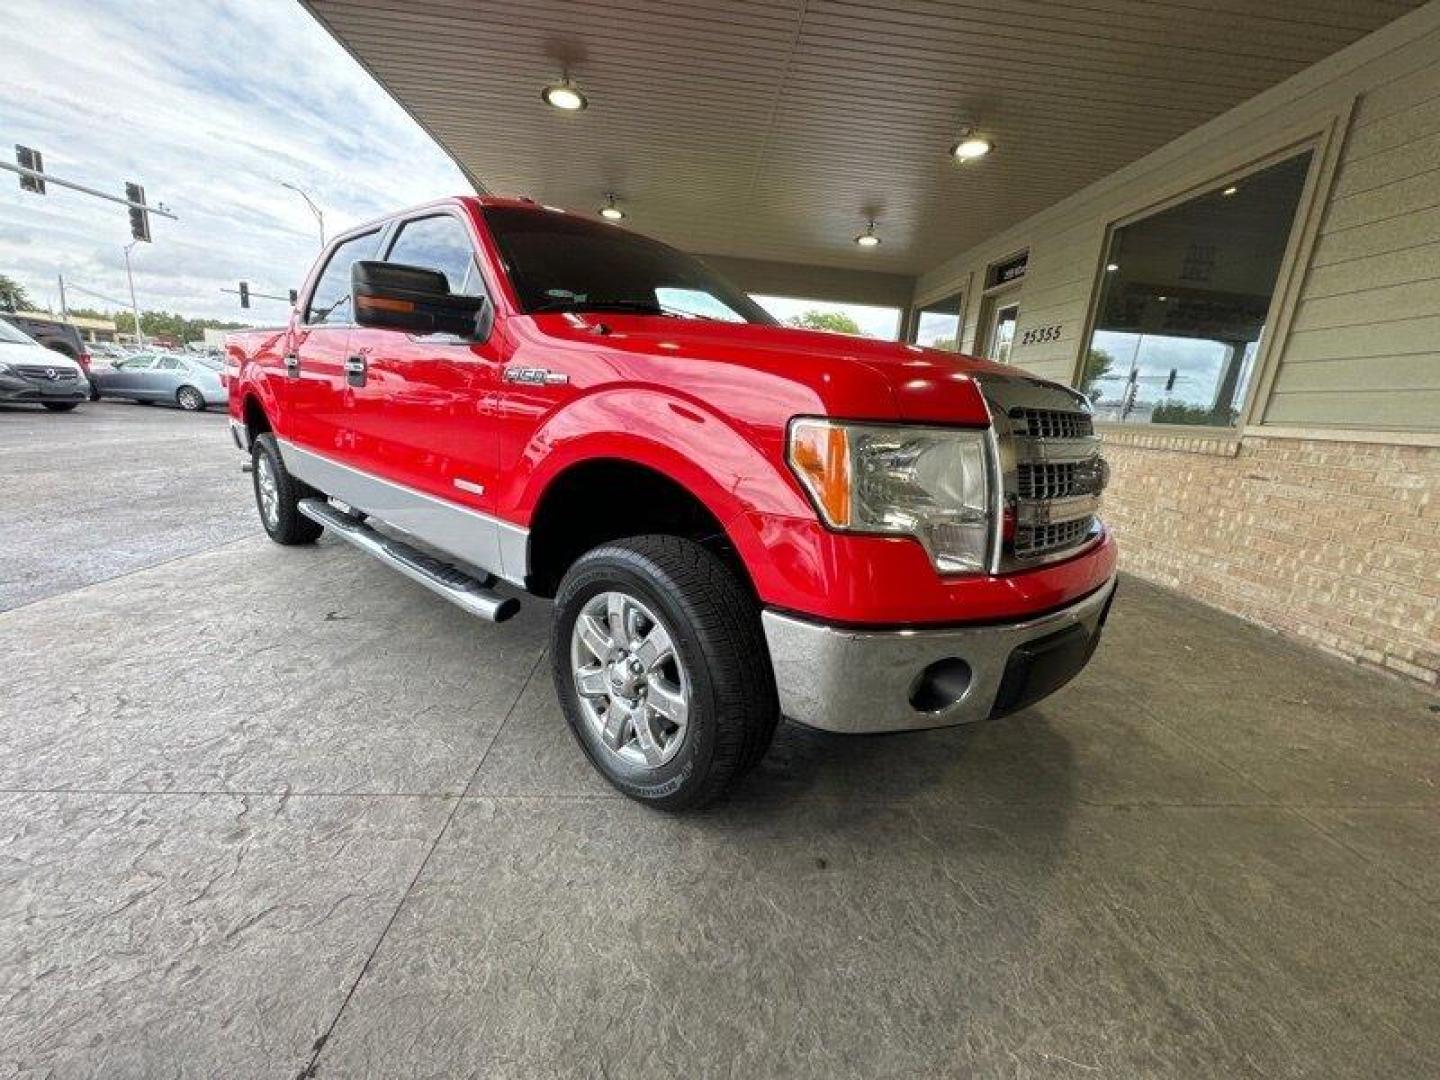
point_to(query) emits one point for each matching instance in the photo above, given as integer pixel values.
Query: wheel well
(256, 422)
(600, 501)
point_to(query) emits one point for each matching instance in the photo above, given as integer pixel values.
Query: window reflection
(1184, 301)
(937, 325)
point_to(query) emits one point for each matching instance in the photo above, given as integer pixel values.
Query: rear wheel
(661, 669)
(277, 494)
(60, 406)
(190, 399)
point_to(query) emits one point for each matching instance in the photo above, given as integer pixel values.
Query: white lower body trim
(494, 546)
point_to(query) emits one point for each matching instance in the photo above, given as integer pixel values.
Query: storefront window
(937, 325)
(1184, 302)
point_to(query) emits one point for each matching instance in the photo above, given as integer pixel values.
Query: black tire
(714, 621)
(287, 525)
(190, 399)
(94, 391)
(60, 406)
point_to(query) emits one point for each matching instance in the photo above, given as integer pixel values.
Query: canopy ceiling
(774, 130)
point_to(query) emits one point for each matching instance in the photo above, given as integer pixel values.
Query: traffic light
(244, 294)
(294, 297)
(139, 219)
(27, 158)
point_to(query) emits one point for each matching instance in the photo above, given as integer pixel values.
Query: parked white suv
(29, 372)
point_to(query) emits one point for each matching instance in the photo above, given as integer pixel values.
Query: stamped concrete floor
(266, 812)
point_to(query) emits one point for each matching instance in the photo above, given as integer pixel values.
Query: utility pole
(64, 311)
(134, 307)
(319, 216)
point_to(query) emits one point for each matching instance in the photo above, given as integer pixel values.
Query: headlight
(926, 482)
(5, 368)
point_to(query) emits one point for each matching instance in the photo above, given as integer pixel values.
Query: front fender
(738, 475)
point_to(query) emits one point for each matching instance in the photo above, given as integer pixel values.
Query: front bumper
(868, 681)
(15, 388)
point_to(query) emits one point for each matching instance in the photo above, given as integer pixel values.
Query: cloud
(208, 105)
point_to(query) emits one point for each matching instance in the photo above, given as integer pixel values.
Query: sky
(209, 105)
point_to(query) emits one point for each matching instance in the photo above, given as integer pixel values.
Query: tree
(13, 296)
(169, 324)
(1097, 365)
(837, 322)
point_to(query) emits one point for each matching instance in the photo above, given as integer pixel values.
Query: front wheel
(661, 669)
(277, 494)
(190, 399)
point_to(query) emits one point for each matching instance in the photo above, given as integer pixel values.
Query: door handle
(292, 365)
(355, 368)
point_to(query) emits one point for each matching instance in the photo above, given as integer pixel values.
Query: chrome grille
(1051, 424)
(1059, 479)
(1034, 540)
(1051, 470)
(40, 371)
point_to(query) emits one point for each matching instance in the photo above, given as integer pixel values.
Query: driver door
(423, 412)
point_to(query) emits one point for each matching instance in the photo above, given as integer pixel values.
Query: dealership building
(1223, 227)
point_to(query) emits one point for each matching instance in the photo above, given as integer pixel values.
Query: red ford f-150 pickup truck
(736, 520)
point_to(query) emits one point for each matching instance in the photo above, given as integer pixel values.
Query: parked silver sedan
(192, 382)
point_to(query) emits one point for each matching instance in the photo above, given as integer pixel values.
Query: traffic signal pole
(51, 178)
(134, 307)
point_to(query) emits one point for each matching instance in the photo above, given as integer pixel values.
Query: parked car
(192, 382)
(30, 372)
(54, 334)
(735, 519)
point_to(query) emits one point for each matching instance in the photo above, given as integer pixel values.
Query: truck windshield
(558, 262)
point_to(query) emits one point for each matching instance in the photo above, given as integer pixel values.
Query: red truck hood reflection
(924, 385)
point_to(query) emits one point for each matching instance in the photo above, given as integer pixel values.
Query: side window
(440, 243)
(330, 302)
(139, 363)
(167, 363)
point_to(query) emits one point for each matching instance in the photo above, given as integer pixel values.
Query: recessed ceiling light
(1162, 299)
(971, 147)
(1231, 190)
(564, 95)
(610, 211)
(1110, 268)
(868, 239)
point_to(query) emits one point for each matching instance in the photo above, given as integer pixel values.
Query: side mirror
(392, 296)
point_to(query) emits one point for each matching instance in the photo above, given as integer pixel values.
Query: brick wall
(1336, 543)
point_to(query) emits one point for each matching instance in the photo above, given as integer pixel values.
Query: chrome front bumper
(863, 681)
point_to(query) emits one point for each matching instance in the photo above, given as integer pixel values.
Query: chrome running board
(460, 588)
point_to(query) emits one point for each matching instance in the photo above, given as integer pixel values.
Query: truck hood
(886, 379)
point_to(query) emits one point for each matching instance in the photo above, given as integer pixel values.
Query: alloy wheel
(632, 685)
(268, 488)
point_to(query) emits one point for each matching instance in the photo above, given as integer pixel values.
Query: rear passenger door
(423, 401)
(163, 378)
(314, 390)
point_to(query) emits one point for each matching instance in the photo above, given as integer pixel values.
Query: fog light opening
(940, 685)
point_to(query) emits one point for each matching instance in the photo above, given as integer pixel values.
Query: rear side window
(440, 243)
(330, 302)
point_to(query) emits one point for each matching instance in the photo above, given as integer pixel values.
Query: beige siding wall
(1319, 517)
(1364, 349)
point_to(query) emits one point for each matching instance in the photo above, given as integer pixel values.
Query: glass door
(1002, 332)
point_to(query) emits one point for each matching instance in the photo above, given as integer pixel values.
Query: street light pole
(134, 307)
(319, 215)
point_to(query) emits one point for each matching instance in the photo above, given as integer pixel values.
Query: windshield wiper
(638, 306)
